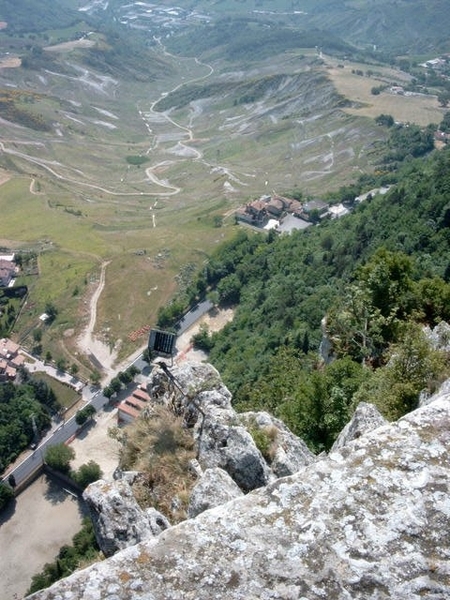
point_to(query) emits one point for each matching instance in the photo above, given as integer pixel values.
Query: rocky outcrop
(439, 336)
(285, 452)
(231, 448)
(118, 520)
(365, 418)
(238, 452)
(213, 489)
(225, 439)
(367, 522)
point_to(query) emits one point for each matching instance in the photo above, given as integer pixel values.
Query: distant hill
(28, 16)
(412, 26)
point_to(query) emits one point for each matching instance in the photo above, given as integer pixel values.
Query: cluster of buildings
(151, 16)
(438, 63)
(270, 212)
(8, 270)
(131, 407)
(10, 359)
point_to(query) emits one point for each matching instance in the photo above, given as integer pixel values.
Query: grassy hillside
(115, 150)
(27, 16)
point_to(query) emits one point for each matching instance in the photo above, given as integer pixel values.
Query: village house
(8, 272)
(276, 206)
(10, 359)
(259, 212)
(441, 136)
(296, 209)
(314, 206)
(338, 210)
(253, 213)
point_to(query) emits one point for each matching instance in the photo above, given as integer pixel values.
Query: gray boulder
(214, 488)
(365, 418)
(368, 522)
(157, 522)
(118, 520)
(286, 453)
(231, 448)
(439, 336)
(443, 393)
(220, 439)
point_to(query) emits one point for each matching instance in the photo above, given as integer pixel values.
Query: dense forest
(376, 276)
(25, 411)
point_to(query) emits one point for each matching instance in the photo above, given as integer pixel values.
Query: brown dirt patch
(68, 46)
(44, 519)
(215, 320)
(10, 62)
(96, 444)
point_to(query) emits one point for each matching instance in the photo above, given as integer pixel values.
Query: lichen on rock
(367, 522)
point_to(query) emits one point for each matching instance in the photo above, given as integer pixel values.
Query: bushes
(123, 378)
(84, 414)
(87, 473)
(6, 494)
(59, 457)
(84, 549)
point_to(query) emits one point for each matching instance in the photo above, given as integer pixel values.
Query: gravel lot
(43, 519)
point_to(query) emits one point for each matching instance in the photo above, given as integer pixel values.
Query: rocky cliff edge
(368, 521)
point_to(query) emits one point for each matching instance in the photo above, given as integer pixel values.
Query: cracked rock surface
(369, 521)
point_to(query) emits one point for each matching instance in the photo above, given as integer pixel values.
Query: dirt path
(87, 342)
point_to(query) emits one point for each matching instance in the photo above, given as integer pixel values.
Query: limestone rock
(443, 393)
(157, 521)
(213, 489)
(221, 440)
(365, 418)
(368, 522)
(231, 448)
(118, 520)
(439, 336)
(286, 453)
(129, 476)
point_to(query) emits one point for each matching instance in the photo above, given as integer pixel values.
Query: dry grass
(161, 448)
(422, 109)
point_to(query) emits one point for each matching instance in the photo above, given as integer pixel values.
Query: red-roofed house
(130, 408)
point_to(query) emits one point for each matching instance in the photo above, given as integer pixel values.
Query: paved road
(63, 432)
(194, 315)
(57, 435)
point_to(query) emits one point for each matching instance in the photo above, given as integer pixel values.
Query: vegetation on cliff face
(378, 275)
(158, 446)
